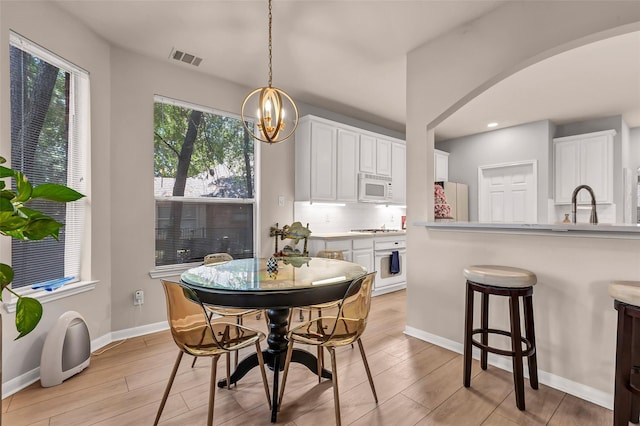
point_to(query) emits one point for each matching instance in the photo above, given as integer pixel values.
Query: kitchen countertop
(557, 229)
(349, 234)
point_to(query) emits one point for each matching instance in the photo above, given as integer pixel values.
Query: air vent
(185, 57)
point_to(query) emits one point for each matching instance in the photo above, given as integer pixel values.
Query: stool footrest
(528, 351)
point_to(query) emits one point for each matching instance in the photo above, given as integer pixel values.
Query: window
(49, 137)
(204, 183)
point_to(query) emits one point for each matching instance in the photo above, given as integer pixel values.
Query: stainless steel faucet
(594, 216)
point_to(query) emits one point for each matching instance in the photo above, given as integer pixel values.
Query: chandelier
(270, 107)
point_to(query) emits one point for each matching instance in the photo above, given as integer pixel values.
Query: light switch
(281, 200)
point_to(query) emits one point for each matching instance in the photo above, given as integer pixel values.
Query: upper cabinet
(585, 159)
(440, 165)
(399, 173)
(375, 155)
(329, 156)
(347, 166)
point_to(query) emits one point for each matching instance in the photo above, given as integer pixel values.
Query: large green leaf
(6, 205)
(28, 213)
(23, 186)
(6, 276)
(5, 193)
(28, 314)
(55, 192)
(5, 172)
(11, 222)
(40, 228)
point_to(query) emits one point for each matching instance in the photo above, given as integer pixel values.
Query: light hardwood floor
(417, 384)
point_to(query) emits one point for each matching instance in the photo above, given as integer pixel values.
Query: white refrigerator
(457, 195)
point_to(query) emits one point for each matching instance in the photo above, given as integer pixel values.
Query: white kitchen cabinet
(363, 252)
(585, 159)
(375, 155)
(399, 173)
(440, 165)
(347, 166)
(316, 161)
(358, 250)
(329, 155)
(367, 154)
(383, 157)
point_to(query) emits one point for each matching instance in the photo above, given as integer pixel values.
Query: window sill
(44, 296)
(172, 270)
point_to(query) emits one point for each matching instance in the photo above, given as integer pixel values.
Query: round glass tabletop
(272, 274)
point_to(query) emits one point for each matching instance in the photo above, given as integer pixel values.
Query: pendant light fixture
(270, 108)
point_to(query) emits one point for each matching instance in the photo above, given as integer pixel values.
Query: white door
(507, 193)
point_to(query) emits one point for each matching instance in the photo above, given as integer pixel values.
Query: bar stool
(626, 403)
(513, 283)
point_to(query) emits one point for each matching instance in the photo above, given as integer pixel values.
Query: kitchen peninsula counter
(588, 230)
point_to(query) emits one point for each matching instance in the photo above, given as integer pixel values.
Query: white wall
(74, 42)
(135, 81)
(574, 315)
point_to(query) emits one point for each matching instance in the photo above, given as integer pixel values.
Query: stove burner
(375, 230)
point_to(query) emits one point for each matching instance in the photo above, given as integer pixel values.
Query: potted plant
(20, 222)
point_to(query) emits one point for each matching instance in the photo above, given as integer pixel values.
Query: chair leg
(334, 379)
(320, 362)
(484, 313)
(468, 329)
(531, 337)
(366, 367)
(286, 372)
(516, 344)
(228, 356)
(264, 374)
(635, 363)
(212, 388)
(168, 388)
(622, 397)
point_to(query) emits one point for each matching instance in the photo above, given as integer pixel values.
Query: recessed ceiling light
(494, 124)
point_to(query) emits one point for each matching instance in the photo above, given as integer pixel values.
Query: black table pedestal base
(274, 356)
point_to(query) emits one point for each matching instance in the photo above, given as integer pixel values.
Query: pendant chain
(270, 70)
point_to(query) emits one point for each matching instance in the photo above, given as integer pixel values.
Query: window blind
(49, 140)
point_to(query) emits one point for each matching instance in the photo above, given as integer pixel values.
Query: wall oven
(374, 188)
(390, 278)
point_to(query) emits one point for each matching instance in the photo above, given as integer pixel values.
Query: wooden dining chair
(331, 332)
(238, 314)
(195, 335)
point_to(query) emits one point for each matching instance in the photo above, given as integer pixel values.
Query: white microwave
(374, 188)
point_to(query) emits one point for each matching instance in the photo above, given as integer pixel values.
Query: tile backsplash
(326, 218)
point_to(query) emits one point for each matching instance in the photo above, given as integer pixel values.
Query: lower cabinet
(358, 250)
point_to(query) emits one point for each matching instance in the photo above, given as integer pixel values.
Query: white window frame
(164, 271)
(76, 254)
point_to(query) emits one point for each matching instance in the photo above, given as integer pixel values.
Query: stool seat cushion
(625, 291)
(500, 276)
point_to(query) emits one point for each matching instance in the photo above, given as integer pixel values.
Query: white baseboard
(16, 384)
(579, 390)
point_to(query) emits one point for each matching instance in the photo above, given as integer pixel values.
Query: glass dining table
(276, 285)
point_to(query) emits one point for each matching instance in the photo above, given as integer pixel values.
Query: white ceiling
(597, 80)
(349, 56)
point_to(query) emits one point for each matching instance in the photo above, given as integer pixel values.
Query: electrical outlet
(138, 297)
(281, 200)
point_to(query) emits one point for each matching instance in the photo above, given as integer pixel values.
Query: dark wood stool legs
(626, 400)
(517, 352)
